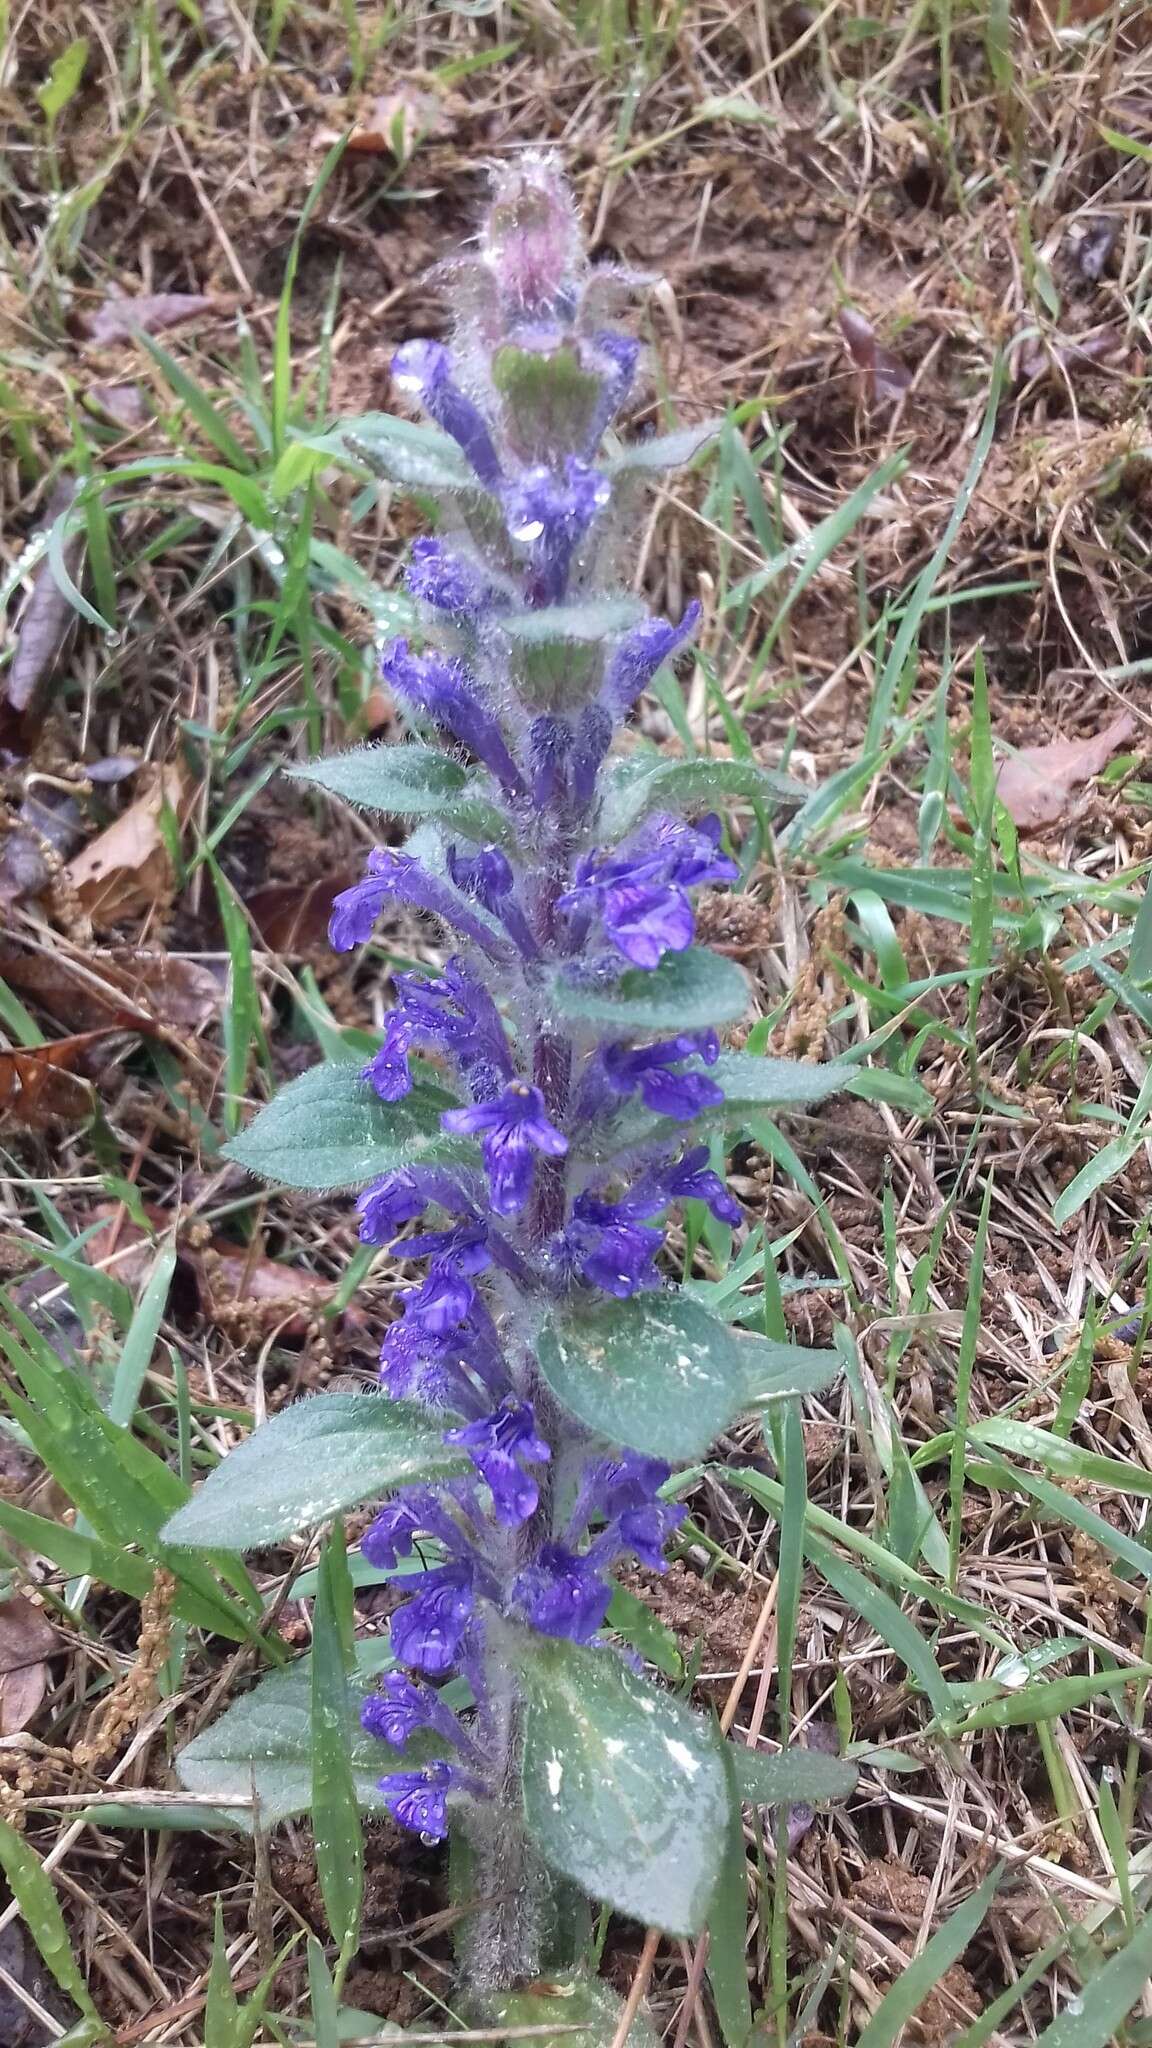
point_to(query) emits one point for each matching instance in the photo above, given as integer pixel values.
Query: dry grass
(952, 178)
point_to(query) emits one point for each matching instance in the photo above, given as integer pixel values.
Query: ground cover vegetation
(872, 626)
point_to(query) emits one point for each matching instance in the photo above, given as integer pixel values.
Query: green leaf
(325, 1453)
(794, 1775)
(421, 458)
(336, 1831)
(921, 1975)
(330, 1129)
(891, 1624)
(624, 1788)
(565, 2003)
(557, 652)
(664, 451)
(638, 787)
(687, 992)
(663, 1376)
(63, 81)
(656, 1373)
(408, 781)
(39, 1907)
(1103, 1166)
(1093, 2019)
(261, 1748)
(728, 1923)
(880, 1084)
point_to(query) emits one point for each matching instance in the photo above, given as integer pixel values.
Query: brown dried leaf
(1035, 786)
(139, 991)
(47, 614)
(230, 1280)
(127, 404)
(26, 1640)
(888, 377)
(119, 318)
(127, 868)
(294, 921)
(37, 1085)
(394, 125)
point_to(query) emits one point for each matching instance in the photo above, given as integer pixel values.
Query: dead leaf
(44, 832)
(138, 991)
(231, 1280)
(27, 1638)
(294, 921)
(127, 868)
(124, 403)
(1096, 246)
(48, 612)
(888, 377)
(394, 125)
(37, 1085)
(1036, 784)
(119, 318)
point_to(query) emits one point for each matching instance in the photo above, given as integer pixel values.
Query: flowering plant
(530, 1117)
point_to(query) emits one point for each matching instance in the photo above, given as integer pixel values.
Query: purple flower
(694, 1181)
(549, 516)
(639, 890)
(629, 1481)
(441, 1302)
(499, 1445)
(402, 1709)
(592, 741)
(562, 1594)
(514, 1127)
(641, 652)
(387, 1204)
(397, 875)
(618, 355)
(650, 1069)
(424, 368)
(419, 1799)
(611, 1250)
(645, 1530)
(445, 693)
(428, 1630)
(645, 923)
(487, 877)
(393, 1533)
(387, 1070)
(446, 580)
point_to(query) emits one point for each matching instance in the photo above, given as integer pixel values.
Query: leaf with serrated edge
(656, 1373)
(690, 991)
(624, 1788)
(325, 1453)
(329, 1129)
(262, 1746)
(407, 781)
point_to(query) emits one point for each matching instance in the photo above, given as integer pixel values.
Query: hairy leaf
(329, 1129)
(624, 1788)
(793, 1775)
(407, 781)
(656, 1373)
(687, 992)
(567, 2003)
(638, 787)
(324, 1454)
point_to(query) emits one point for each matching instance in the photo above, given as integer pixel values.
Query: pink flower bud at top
(531, 238)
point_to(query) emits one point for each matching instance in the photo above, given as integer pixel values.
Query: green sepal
(550, 400)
